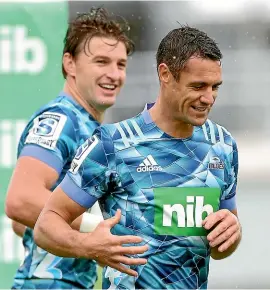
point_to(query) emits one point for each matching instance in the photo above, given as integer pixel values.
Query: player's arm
(81, 187)
(54, 234)
(29, 189)
(38, 167)
(18, 229)
(224, 225)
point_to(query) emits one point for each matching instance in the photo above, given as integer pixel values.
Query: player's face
(193, 96)
(101, 72)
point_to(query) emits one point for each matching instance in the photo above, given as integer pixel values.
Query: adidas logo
(149, 164)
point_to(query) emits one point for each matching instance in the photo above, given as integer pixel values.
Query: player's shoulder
(50, 119)
(61, 105)
(124, 133)
(61, 109)
(54, 105)
(215, 133)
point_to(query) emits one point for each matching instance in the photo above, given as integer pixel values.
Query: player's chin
(198, 121)
(107, 102)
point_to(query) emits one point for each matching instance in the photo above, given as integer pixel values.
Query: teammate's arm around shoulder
(82, 186)
(224, 225)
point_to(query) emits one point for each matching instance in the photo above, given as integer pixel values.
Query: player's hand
(225, 229)
(108, 249)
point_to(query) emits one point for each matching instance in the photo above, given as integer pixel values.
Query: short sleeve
(92, 173)
(51, 138)
(228, 199)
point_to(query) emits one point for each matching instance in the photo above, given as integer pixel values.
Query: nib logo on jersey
(179, 211)
(149, 164)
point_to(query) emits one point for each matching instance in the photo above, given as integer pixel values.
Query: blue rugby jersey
(164, 187)
(52, 136)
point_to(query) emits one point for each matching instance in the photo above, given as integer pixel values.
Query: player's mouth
(108, 87)
(199, 109)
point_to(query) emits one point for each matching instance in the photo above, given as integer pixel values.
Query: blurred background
(31, 38)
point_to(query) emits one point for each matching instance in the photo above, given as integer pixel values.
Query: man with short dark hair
(94, 67)
(170, 170)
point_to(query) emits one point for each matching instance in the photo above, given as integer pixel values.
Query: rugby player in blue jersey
(170, 170)
(94, 67)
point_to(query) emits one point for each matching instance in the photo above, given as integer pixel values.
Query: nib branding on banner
(16, 46)
(31, 45)
(30, 54)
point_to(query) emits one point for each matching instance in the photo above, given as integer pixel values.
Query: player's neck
(96, 114)
(163, 118)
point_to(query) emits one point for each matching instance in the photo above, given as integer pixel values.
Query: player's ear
(164, 73)
(69, 64)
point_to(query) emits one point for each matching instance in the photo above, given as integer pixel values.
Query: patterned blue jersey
(164, 187)
(52, 136)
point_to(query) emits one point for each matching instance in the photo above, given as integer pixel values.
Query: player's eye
(122, 65)
(197, 86)
(101, 61)
(216, 88)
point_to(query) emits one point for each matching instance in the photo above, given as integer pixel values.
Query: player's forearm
(25, 209)
(56, 236)
(216, 255)
(27, 214)
(18, 228)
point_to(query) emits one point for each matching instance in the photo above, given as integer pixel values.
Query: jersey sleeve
(51, 137)
(93, 170)
(228, 200)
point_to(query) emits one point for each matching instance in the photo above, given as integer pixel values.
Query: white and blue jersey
(52, 136)
(164, 187)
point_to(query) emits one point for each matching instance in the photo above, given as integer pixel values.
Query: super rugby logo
(46, 129)
(46, 125)
(84, 147)
(82, 153)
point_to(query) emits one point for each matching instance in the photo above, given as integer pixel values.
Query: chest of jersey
(170, 163)
(169, 185)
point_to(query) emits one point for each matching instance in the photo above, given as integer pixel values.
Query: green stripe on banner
(31, 43)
